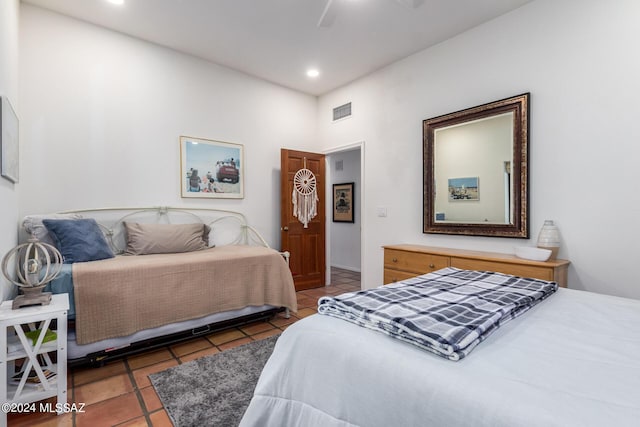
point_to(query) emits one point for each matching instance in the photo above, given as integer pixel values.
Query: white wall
(9, 16)
(578, 59)
(345, 237)
(103, 113)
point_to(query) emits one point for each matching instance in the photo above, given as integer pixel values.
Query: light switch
(382, 212)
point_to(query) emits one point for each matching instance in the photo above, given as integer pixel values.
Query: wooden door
(306, 245)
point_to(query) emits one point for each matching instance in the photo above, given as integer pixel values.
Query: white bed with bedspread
(570, 360)
(137, 275)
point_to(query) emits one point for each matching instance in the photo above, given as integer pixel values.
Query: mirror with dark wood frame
(476, 170)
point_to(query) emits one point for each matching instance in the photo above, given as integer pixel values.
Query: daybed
(160, 275)
(571, 360)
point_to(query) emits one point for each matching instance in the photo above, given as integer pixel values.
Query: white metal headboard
(227, 227)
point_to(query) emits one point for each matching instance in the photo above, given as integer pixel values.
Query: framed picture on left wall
(211, 169)
(9, 141)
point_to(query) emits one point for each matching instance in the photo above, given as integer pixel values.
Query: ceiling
(279, 40)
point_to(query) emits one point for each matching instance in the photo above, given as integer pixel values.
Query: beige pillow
(144, 239)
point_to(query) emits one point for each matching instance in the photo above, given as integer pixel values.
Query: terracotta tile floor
(120, 393)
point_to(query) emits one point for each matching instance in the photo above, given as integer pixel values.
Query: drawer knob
(432, 266)
(395, 260)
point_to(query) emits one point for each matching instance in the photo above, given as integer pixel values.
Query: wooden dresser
(405, 261)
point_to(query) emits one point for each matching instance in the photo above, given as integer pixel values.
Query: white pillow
(34, 226)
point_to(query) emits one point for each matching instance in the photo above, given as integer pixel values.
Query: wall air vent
(339, 165)
(342, 111)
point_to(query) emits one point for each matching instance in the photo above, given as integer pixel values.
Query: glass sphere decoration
(30, 266)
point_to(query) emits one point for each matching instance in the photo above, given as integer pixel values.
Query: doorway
(311, 247)
(344, 239)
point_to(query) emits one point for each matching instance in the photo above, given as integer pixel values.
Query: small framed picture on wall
(343, 202)
(9, 141)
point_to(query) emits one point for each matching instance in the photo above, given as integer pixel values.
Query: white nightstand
(14, 345)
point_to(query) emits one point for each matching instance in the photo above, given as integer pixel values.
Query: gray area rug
(214, 390)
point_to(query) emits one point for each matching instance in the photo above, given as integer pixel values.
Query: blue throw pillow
(78, 240)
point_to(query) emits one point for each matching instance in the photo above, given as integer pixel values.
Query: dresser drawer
(406, 260)
(414, 262)
(521, 270)
(393, 276)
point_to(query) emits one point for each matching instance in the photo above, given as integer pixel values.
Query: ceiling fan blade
(411, 4)
(329, 14)
(332, 8)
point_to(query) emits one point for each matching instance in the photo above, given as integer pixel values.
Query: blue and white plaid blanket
(448, 312)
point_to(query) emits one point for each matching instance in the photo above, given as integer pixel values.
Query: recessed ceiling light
(313, 73)
(118, 2)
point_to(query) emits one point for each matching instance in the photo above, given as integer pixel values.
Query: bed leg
(287, 314)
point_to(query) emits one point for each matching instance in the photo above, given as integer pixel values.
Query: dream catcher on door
(304, 196)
